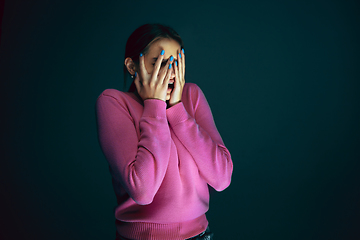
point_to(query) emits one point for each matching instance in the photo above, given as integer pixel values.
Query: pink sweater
(162, 161)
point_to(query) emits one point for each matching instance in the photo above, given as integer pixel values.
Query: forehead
(170, 46)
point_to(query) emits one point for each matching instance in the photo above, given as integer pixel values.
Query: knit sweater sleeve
(200, 137)
(138, 159)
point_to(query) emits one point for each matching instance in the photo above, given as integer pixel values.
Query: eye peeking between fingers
(163, 63)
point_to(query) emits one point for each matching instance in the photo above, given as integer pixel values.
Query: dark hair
(142, 38)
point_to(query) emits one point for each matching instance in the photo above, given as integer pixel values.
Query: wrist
(170, 104)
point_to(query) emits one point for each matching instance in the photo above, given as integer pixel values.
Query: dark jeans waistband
(206, 235)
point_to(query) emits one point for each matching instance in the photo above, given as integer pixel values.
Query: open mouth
(171, 86)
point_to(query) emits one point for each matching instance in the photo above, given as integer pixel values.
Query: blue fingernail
(170, 66)
(135, 74)
(141, 55)
(180, 55)
(176, 63)
(171, 58)
(183, 51)
(162, 52)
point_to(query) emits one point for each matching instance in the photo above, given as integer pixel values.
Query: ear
(130, 65)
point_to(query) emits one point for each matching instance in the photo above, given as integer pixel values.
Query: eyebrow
(164, 60)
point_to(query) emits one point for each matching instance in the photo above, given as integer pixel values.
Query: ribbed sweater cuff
(155, 231)
(154, 108)
(177, 114)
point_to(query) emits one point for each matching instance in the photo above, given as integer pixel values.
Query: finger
(176, 69)
(142, 65)
(137, 82)
(168, 74)
(177, 75)
(180, 65)
(183, 62)
(166, 69)
(158, 63)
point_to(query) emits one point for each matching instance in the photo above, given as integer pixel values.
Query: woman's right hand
(153, 85)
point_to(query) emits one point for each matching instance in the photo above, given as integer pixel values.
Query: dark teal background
(281, 77)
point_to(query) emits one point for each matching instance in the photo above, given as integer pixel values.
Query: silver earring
(132, 76)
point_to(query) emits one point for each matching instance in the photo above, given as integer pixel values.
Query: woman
(161, 143)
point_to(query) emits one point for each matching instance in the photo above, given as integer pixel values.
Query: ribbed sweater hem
(158, 231)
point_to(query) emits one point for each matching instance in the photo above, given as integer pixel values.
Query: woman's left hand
(179, 68)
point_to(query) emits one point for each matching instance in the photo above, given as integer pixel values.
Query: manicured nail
(183, 51)
(170, 66)
(135, 74)
(171, 58)
(141, 55)
(176, 63)
(162, 52)
(180, 55)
